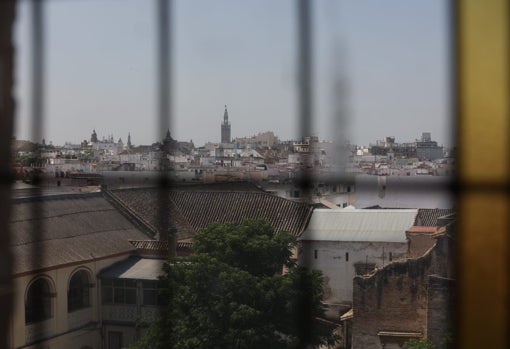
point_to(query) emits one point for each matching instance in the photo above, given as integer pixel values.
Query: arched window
(38, 301)
(78, 295)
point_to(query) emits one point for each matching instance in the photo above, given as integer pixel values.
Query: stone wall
(440, 315)
(407, 299)
(392, 300)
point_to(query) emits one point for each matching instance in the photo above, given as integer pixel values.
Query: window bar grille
(37, 113)
(7, 10)
(7, 14)
(305, 111)
(164, 55)
(481, 86)
(166, 233)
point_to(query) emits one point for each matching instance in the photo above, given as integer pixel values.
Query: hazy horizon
(391, 61)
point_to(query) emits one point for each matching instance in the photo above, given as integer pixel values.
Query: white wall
(337, 272)
(62, 330)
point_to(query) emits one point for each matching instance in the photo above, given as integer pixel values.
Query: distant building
(57, 303)
(399, 191)
(427, 149)
(93, 137)
(413, 298)
(261, 140)
(89, 278)
(225, 128)
(343, 243)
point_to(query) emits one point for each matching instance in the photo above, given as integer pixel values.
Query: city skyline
(394, 69)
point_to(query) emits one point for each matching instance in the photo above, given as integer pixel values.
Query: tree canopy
(231, 293)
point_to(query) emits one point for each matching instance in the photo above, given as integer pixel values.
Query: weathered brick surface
(412, 296)
(393, 299)
(440, 315)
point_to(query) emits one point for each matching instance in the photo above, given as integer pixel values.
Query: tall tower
(225, 128)
(93, 137)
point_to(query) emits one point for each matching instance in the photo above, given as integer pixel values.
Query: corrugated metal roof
(387, 225)
(73, 228)
(135, 268)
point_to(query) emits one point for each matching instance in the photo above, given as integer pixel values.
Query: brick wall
(413, 297)
(394, 300)
(440, 315)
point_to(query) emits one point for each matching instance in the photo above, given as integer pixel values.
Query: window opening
(114, 340)
(151, 293)
(78, 295)
(123, 293)
(38, 303)
(118, 291)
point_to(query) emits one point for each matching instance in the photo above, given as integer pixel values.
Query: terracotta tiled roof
(154, 245)
(421, 229)
(142, 204)
(428, 217)
(192, 210)
(184, 245)
(73, 228)
(160, 248)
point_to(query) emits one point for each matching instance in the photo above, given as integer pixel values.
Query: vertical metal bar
(37, 95)
(37, 65)
(305, 67)
(305, 110)
(7, 14)
(482, 87)
(305, 96)
(453, 66)
(164, 115)
(164, 97)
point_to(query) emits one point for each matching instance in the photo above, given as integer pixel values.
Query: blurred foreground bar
(482, 100)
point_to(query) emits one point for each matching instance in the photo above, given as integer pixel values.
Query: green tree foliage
(231, 293)
(447, 342)
(421, 343)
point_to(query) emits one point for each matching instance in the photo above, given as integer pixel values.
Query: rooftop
(136, 268)
(429, 217)
(56, 230)
(386, 225)
(193, 208)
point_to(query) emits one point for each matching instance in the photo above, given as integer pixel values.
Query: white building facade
(343, 243)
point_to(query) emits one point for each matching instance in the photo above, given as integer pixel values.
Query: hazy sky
(391, 56)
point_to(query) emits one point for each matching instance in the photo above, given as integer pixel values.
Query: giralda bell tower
(225, 128)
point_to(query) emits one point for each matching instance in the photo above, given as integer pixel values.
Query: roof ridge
(61, 215)
(49, 197)
(70, 237)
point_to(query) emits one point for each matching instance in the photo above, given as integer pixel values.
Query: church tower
(225, 128)
(93, 137)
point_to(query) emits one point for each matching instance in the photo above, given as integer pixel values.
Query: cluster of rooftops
(73, 228)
